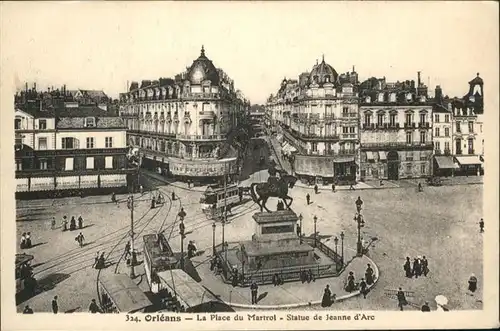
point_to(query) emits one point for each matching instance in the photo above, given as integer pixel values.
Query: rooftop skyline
(103, 46)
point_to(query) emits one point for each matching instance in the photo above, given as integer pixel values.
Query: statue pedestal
(275, 243)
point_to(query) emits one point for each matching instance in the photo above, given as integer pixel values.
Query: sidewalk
(286, 296)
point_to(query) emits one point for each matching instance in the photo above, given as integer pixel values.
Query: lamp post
(315, 233)
(213, 239)
(336, 241)
(342, 247)
(133, 260)
(300, 227)
(361, 223)
(182, 229)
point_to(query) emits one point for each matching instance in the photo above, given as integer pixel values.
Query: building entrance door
(393, 165)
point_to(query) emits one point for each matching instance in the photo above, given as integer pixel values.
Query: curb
(313, 303)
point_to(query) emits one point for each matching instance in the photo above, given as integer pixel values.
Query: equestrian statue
(276, 186)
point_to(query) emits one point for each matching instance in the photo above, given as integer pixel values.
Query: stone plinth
(275, 243)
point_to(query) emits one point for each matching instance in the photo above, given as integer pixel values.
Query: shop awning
(468, 160)
(369, 155)
(446, 162)
(382, 155)
(343, 159)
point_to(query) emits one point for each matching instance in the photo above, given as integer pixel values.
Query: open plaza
(440, 223)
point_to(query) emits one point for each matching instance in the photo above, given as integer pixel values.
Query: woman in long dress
(472, 284)
(327, 295)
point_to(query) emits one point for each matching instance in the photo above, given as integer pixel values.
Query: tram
(158, 257)
(190, 294)
(120, 294)
(24, 272)
(214, 200)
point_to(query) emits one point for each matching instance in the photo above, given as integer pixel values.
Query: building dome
(323, 73)
(203, 69)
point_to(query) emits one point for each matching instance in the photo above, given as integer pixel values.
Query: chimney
(34, 86)
(26, 87)
(418, 81)
(438, 94)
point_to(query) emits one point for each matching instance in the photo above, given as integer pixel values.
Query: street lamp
(342, 247)
(315, 233)
(361, 223)
(336, 241)
(300, 227)
(182, 229)
(213, 238)
(133, 260)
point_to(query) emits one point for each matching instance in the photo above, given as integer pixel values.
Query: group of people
(72, 223)
(26, 240)
(99, 261)
(157, 200)
(170, 302)
(306, 276)
(277, 280)
(216, 265)
(419, 267)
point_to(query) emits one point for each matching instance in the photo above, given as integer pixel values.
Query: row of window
(72, 143)
(89, 122)
(68, 164)
(408, 170)
(437, 118)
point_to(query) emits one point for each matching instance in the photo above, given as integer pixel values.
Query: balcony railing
(397, 145)
(201, 95)
(459, 152)
(471, 151)
(447, 151)
(201, 137)
(152, 133)
(313, 136)
(347, 151)
(348, 135)
(349, 115)
(424, 125)
(409, 125)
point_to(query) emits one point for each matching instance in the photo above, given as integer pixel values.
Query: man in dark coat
(426, 307)
(407, 268)
(80, 222)
(425, 266)
(316, 188)
(254, 288)
(416, 268)
(401, 299)
(55, 306)
(481, 226)
(363, 288)
(308, 199)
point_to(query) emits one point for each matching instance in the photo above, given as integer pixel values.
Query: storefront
(115, 180)
(209, 168)
(470, 165)
(89, 181)
(22, 184)
(445, 166)
(66, 183)
(324, 169)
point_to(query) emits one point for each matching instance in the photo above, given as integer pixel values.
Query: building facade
(396, 130)
(184, 126)
(64, 149)
(318, 117)
(468, 138)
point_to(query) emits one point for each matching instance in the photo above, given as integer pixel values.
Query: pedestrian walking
(72, 224)
(173, 196)
(80, 238)
(401, 299)
(351, 187)
(333, 187)
(472, 284)
(141, 189)
(481, 226)
(420, 187)
(27, 310)
(53, 223)
(153, 202)
(254, 288)
(316, 188)
(407, 267)
(381, 183)
(101, 262)
(363, 288)
(113, 198)
(308, 199)
(350, 282)
(425, 266)
(93, 307)
(326, 301)
(96, 259)
(416, 268)
(28, 240)
(369, 275)
(65, 223)
(23, 240)
(359, 204)
(80, 222)
(55, 305)
(126, 253)
(425, 307)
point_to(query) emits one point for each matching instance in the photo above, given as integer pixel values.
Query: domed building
(184, 127)
(318, 119)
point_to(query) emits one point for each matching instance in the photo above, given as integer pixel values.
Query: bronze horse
(274, 187)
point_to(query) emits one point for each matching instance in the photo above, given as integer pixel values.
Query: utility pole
(133, 257)
(224, 219)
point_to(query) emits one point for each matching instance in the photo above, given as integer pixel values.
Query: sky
(102, 45)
